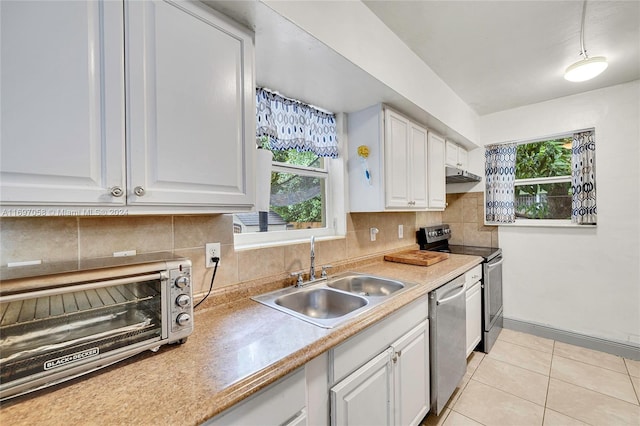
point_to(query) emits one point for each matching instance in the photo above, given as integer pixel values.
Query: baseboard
(625, 350)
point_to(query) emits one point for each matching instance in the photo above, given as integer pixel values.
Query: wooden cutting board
(417, 257)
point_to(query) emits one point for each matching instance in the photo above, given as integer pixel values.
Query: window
(298, 189)
(306, 174)
(299, 182)
(543, 179)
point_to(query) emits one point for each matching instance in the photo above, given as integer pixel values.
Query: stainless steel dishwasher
(447, 340)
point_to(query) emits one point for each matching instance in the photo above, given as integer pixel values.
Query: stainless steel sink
(366, 285)
(330, 302)
(321, 302)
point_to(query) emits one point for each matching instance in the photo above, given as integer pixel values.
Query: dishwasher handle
(447, 299)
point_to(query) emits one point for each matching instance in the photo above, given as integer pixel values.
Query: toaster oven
(59, 321)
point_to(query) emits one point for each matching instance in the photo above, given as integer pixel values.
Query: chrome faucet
(312, 269)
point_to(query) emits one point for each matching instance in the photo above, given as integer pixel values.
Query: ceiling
(498, 55)
(295, 64)
(495, 55)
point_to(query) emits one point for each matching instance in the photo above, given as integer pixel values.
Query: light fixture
(586, 68)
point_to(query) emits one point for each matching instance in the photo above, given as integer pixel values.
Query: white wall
(580, 280)
(355, 32)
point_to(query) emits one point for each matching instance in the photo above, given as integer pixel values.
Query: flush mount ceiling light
(586, 68)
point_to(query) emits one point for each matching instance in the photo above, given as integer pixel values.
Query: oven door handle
(80, 287)
(493, 264)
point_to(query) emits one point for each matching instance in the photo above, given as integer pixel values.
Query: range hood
(455, 175)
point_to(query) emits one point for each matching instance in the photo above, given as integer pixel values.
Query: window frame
(335, 203)
(542, 223)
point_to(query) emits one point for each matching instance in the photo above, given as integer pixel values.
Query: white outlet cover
(212, 250)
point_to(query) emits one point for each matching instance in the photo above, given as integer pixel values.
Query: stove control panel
(433, 234)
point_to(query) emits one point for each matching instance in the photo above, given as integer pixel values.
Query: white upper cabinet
(62, 104)
(397, 162)
(405, 148)
(456, 156)
(190, 109)
(190, 106)
(435, 168)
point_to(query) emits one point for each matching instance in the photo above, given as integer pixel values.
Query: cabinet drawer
(359, 349)
(280, 403)
(473, 275)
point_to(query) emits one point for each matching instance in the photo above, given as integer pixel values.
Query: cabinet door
(463, 158)
(474, 317)
(190, 106)
(62, 103)
(451, 158)
(418, 167)
(396, 160)
(436, 172)
(365, 396)
(411, 376)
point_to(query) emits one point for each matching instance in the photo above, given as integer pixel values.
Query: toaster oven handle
(80, 287)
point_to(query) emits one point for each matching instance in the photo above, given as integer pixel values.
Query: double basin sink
(329, 302)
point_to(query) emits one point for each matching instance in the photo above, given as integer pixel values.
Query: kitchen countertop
(236, 349)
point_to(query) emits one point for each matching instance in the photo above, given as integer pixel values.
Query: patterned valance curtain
(290, 124)
(583, 178)
(500, 174)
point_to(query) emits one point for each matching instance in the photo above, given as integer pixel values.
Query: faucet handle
(299, 280)
(323, 274)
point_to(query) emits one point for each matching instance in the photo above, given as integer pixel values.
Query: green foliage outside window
(297, 199)
(550, 158)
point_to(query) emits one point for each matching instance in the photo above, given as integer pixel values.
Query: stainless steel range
(436, 238)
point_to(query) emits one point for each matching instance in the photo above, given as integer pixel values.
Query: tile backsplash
(465, 215)
(53, 239)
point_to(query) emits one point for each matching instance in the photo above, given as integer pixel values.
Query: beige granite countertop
(237, 349)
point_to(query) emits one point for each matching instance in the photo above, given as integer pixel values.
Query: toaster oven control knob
(183, 319)
(183, 300)
(182, 281)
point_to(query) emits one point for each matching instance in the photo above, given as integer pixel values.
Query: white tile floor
(529, 380)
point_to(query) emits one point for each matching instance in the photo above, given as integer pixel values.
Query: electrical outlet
(400, 231)
(212, 250)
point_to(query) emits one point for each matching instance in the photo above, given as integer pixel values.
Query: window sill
(548, 223)
(277, 239)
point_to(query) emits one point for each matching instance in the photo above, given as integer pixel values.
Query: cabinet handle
(116, 191)
(139, 191)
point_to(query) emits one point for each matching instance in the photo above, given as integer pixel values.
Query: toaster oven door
(47, 335)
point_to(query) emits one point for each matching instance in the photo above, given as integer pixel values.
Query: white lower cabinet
(380, 376)
(474, 307)
(283, 403)
(411, 376)
(392, 386)
(365, 396)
